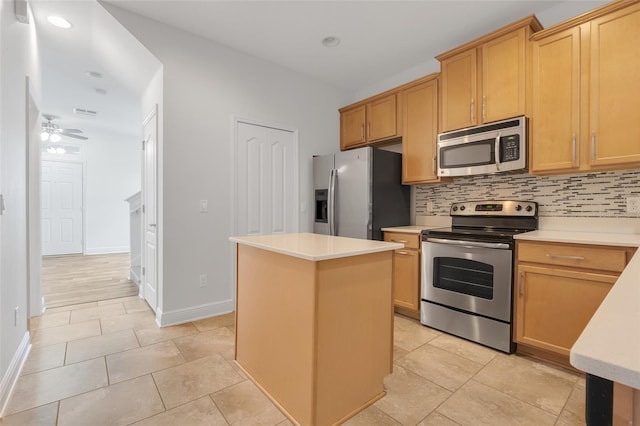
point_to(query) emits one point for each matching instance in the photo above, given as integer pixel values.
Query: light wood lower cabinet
(406, 273)
(558, 289)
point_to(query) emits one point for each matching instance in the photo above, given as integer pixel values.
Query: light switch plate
(204, 206)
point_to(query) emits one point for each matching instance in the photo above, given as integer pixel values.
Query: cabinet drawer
(409, 240)
(605, 258)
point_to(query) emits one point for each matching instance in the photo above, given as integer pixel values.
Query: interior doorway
(266, 179)
(149, 287)
(62, 208)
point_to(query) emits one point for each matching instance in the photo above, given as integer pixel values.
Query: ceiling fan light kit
(51, 132)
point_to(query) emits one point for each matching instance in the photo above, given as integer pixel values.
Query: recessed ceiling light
(330, 41)
(59, 22)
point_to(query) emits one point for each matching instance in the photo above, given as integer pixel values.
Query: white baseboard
(11, 375)
(134, 277)
(106, 250)
(180, 316)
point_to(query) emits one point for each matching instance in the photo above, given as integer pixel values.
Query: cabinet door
(615, 85)
(555, 305)
(406, 279)
(381, 119)
(503, 77)
(556, 102)
(420, 132)
(459, 88)
(352, 127)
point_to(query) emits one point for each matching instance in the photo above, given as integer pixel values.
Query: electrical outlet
(203, 280)
(429, 206)
(633, 204)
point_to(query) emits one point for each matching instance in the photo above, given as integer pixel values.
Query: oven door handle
(469, 243)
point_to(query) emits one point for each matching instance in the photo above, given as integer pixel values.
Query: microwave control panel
(510, 147)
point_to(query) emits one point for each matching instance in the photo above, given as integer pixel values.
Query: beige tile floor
(107, 363)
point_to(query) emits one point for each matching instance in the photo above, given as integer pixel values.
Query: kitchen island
(314, 322)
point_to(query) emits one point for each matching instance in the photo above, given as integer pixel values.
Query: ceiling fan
(52, 133)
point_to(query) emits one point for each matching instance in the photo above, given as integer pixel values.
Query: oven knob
(462, 208)
(455, 208)
(518, 207)
(529, 208)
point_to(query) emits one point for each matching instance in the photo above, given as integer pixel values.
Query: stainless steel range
(467, 279)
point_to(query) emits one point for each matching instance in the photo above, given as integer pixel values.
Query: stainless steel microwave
(496, 147)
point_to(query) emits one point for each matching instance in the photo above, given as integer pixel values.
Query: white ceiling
(96, 42)
(379, 39)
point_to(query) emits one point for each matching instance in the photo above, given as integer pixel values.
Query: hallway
(76, 279)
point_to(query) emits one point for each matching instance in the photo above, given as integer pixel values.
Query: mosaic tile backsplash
(600, 194)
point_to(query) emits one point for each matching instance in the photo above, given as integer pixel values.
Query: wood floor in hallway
(74, 279)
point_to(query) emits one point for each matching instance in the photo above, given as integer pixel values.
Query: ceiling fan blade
(73, 135)
(71, 130)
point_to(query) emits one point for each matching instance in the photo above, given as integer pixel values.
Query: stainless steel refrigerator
(358, 192)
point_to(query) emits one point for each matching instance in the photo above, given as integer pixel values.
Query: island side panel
(275, 326)
(355, 333)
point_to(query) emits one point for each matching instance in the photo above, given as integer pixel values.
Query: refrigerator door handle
(332, 201)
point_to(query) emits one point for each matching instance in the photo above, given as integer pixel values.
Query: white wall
(18, 58)
(112, 174)
(205, 85)
(548, 17)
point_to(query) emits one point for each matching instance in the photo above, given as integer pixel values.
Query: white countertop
(609, 346)
(315, 247)
(604, 238)
(410, 229)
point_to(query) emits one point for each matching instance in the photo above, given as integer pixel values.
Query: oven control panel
(495, 208)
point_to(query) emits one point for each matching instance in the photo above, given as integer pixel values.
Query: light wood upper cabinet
(615, 88)
(369, 121)
(556, 102)
(459, 91)
(382, 119)
(503, 76)
(352, 126)
(420, 132)
(585, 86)
(485, 80)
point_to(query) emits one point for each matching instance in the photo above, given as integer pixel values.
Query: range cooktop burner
(488, 220)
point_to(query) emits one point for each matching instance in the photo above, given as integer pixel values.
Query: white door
(266, 180)
(149, 286)
(61, 207)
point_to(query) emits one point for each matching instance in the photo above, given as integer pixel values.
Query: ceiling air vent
(83, 111)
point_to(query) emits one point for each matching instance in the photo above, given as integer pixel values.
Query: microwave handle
(497, 151)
